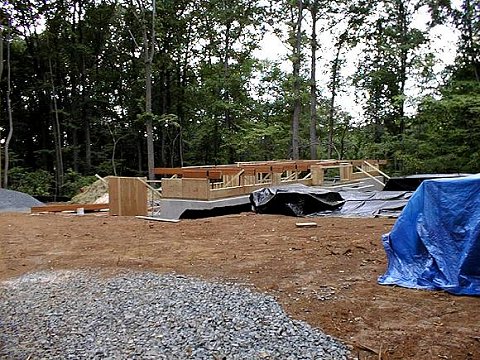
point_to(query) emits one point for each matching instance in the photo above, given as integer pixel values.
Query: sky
(443, 46)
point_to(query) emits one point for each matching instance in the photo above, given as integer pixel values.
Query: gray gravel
(139, 315)
(15, 201)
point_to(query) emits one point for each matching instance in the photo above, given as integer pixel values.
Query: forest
(118, 87)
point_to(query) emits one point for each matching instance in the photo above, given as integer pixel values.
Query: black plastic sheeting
(412, 182)
(301, 200)
(371, 203)
(218, 211)
(294, 200)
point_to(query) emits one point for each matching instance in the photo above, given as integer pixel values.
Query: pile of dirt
(97, 193)
(92, 193)
(15, 201)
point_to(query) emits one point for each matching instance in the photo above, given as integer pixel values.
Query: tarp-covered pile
(435, 243)
(301, 200)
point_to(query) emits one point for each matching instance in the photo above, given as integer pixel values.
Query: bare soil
(325, 276)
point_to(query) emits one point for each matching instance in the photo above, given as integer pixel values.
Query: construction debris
(306, 225)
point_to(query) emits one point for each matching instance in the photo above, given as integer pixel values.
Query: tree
(314, 9)
(149, 41)
(467, 19)
(334, 85)
(9, 104)
(391, 54)
(444, 136)
(1, 75)
(295, 40)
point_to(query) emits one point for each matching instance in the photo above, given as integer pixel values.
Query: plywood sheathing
(128, 196)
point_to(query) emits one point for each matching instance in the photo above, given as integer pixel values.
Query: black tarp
(371, 203)
(301, 200)
(412, 182)
(294, 200)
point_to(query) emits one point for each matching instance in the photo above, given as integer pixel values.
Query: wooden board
(263, 169)
(68, 207)
(151, 218)
(168, 171)
(215, 174)
(229, 170)
(195, 173)
(303, 166)
(306, 225)
(128, 196)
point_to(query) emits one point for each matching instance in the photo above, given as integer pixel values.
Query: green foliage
(213, 102)
(38, 182)
(74, 181)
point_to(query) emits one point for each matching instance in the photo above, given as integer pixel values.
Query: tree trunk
(333, 89)
(313, 86)
(296, 83)
(149, 122)
(88, 146)
(342, 139)
(180, 148)
(140, 153)
(9, 111)
(75, 149)
(1, 75)
(57, 133)
(149, 51)
(403, 66)
(226, 96)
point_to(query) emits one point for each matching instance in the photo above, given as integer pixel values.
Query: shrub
(38, 182)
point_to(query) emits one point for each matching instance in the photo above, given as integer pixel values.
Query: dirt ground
(324, 275)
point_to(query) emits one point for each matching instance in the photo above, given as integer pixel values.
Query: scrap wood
(101, 178)
(306, 224)
(157, 219)
(68, 207)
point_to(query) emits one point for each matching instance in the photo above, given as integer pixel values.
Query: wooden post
(346, 170)
(127, 196)
(317, 175)
(276, 178)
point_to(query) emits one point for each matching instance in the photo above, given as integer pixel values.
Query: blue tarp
(435, 242)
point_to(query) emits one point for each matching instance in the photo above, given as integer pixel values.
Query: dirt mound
(90, 194)
(15, 201)
(97, 193)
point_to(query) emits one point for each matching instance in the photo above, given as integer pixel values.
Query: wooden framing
(216, 182)
(128, 196)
